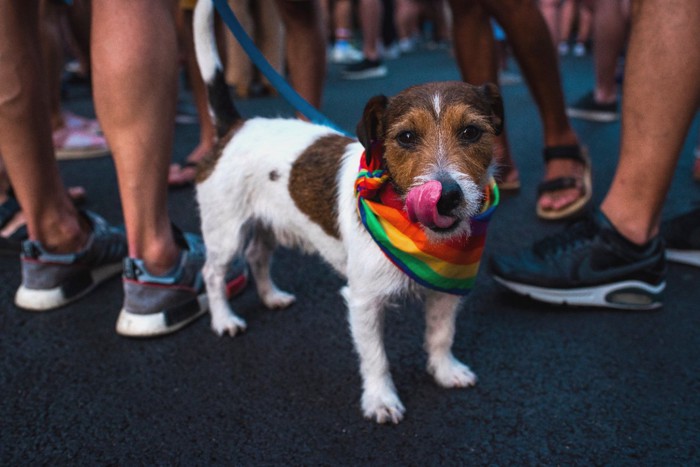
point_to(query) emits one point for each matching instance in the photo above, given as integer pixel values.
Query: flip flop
(190, 180)
(573, 152)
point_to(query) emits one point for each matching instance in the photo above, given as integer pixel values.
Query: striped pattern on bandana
(448, 266)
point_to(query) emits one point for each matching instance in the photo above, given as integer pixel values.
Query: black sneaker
(587, 108)
(590, 264)
(365, 69)
(682, 237)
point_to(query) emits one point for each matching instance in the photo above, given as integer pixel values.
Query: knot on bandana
(448, 266)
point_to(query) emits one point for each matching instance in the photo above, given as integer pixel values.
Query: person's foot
(682, 237)
(181, 175)
(566, 188)
(52, 280)
(161, 304)
(13, 230)
(588, 108)
(588, 264)
(579, 49)
(344, 53)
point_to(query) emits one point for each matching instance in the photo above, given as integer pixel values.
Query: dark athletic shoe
(682, 237)
(52, 280)
(157, 305)
(587, 264)
(587, 108)
(365, 69)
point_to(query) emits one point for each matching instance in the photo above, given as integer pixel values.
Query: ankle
(65, 234)
(636, 229)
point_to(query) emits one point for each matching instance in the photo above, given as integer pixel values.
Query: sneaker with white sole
(588, 264)
(682, 236)
(51, 280)
(365, 69)
(161, 304)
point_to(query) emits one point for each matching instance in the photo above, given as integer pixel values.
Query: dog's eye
(470, 134)
(407, 139)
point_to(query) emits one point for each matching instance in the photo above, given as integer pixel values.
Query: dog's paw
(278, 299)
(383, 408)
(230, 325)
(451, 373)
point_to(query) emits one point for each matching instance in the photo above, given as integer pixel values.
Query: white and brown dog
(293, 183)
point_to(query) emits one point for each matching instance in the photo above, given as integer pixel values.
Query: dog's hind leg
(379, 398)
(440, 315)
(259, 257)
(219, 256)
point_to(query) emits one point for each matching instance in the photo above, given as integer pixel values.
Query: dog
(293, 183)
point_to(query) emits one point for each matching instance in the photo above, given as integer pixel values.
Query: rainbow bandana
(448, 266)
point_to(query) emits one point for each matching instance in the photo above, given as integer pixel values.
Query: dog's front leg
(440, 314)
(379, 399)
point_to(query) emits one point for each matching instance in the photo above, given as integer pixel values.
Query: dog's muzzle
(433, 204)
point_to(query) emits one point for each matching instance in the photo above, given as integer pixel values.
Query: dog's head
(438, 149)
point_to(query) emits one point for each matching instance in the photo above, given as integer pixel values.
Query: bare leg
(609, 28)
(533, 48)
(651, 140)
(134, 53)
(179, 175)
(25, 133)
(306, 47)
(371, 12)
(475, 55)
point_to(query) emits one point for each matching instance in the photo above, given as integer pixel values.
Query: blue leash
(277, 81)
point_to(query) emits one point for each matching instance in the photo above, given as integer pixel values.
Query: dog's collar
(448, 266)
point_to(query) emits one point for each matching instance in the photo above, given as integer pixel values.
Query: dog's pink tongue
(421, 204)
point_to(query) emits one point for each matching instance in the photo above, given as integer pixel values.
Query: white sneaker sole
(691, 258)
(155, 324)
(48, 299)
(627, 295)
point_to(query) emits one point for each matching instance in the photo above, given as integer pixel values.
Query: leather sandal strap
(556, 184)
(572, 152)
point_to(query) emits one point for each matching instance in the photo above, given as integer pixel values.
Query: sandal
(8, 210)
(76, 143)
(183, 181)
(572, 152)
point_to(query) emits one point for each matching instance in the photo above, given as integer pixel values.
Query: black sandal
(572, 152)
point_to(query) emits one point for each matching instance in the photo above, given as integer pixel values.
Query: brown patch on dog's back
(313, 181)
(206, 166)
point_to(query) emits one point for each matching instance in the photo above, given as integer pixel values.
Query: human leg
(533, 48)
(180, 175)
(475, 54)
(305, 47)
(371, 20)
(616, 258)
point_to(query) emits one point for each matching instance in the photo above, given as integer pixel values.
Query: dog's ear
(370, 128)
(493, 96)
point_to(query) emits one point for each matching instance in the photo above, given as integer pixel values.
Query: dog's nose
(450, 197)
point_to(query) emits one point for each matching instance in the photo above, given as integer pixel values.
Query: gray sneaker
(52, 280)
(156, 305)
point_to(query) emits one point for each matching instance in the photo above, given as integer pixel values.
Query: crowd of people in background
(52, 41)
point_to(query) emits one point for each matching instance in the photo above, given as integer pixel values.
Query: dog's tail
(220, 103)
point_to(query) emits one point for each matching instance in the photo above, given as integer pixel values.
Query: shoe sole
(379, 72)
(79, 286)
(593, 115)
(626, 295)
(168, 321)
(165, 322)
(691, 258)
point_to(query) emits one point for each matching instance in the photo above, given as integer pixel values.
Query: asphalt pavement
(557, 385)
